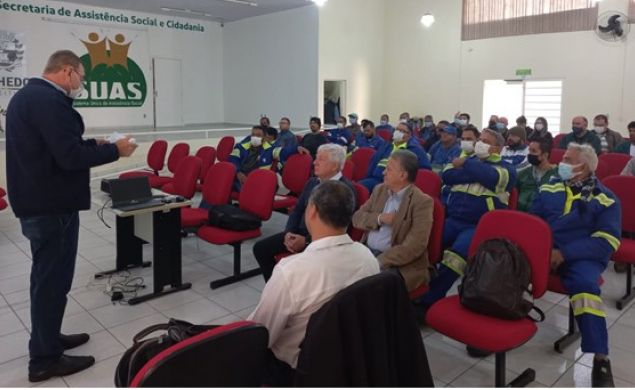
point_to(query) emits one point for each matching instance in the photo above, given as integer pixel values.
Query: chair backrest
(186, 176)
(361, 196)
(178, 153)
(513, 199)
(224, 148)
(207, 154)
(385, 134)
(156, 155)
(557, 139)
(435, 241)
(232, 355)
(296, 172)
(3, 193)
(615, 162)
(530, 233)
(219, 180)
(361, 158)
(624, 187)
(349, 169)
(556, 155)
(429, 183)
(256, 195)
(602, 170)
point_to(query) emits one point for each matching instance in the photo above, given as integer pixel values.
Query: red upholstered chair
(449, 317)
(256, 198)
(155, 161)
(385, 134)
(295, 174)
(3, 193)
(361, 158)
(232, 355)
(435, 243)
(224, 148)
(429, 183)
(602, 171)
(557, 139)
(178, 153)
(3, 202)
(216, 191)
(624, 187)
(615, 162)
(362, 195)
(349, 169)
(556, 155)
(207, 154)
(185, 177)
(513, 199)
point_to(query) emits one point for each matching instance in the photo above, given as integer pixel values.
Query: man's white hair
(587, 155)
(337, 154)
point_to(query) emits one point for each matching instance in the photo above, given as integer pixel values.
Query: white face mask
(256, 141)
(383, 123)
(398, 136)
(600, 129)
(539, 126)
(467, 146)
(340, 125)
(481, 149)
(403, 120)
(353, 121)
(74, 93)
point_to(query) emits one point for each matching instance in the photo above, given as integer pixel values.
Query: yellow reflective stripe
(478, 189)
(395, 147)
(614, 242)
(490, 203)
(503, 179)
(586, 303)
(558, 187)
(246, 145)
(604, 200)
(454, 262)
(235, 153)
(383, 163)
(569, 202)
(495, 158)
(276, 153)
(265, 167)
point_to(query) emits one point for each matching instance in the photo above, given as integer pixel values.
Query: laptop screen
(126, 191)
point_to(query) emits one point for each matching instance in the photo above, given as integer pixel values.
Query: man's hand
(101, 141)
(303, 150)
(125, 147)
(241, 178)
(295, 243)
(387, 218)
(556, 259)
(458, 162)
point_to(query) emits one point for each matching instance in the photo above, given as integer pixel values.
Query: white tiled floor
(113, 326)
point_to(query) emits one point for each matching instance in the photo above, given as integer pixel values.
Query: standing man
(48, 173)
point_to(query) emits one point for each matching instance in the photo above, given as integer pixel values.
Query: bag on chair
(144, 349)
(233, 218)
(497, 282)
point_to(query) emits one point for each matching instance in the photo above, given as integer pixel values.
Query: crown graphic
(99, 53)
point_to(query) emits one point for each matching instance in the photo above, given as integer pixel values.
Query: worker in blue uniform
(402, 139)
(252, 153)
(368, 138)
(340, 135)
(477, 184)
(585, 219)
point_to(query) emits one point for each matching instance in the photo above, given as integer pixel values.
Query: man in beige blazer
(398, 220)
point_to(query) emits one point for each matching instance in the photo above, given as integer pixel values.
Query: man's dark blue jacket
(48, 162)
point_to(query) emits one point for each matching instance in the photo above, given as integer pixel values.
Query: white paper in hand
(114, 137)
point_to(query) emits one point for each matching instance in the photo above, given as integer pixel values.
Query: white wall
(201, 54)
(440, 74)
(352, 49)
(271, 67)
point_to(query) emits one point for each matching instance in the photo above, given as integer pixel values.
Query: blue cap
(451, 130)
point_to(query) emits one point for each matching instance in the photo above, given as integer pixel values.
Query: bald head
(580, 122)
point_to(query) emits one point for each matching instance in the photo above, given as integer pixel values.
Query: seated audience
(503, 126)
(328, 165)
(521, 122)
(468, 139)
(609, 139)
(585, 220)
(629, 169)
(404, 117)
(540, 172)
(581, 135)
(384, 124)
(252, 153)
(310, 142)
(628, 147)
(515, 153)
(493, 122)
(435, 136)
(302, 283)
(445, 150)
(271, 135)
(264, 122)
(354, 127)
(341, 135)
(428, 130)
(368, 138)
(478, 183)
(541, 131)
(461, 121)
(398, 218)
(402, 139)
(286, 136)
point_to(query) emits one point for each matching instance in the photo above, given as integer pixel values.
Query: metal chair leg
(572, 334)
(630, 292)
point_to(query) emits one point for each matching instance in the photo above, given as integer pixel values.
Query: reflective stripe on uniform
(454, 262)
(276, 153)
(478, 189)
(604, 200)
(503, 179)
(553, 188)
(490, 203)
(569, 202)
(586, 303)
(384, 162)
(613, 241)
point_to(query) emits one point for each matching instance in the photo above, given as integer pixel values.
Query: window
(498, 18)
(513, 98)
(631, 11)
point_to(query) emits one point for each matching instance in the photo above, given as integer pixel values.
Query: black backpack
(233, 218)
(497, 282)
(144, 349)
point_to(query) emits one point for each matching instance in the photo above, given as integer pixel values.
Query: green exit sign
(523, 72)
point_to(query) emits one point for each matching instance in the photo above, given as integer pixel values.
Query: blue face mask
(428, 124)
(565, 171)
(500, 126)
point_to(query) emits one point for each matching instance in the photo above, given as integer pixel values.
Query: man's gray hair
(587, 154)
(500, 140)
(337, 154)
(60, 59)
(408, 161)
(335, 203)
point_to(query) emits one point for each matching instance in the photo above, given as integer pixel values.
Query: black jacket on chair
(366, 336)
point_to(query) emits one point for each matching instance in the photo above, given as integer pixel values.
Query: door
(334, 100)
(168, 92)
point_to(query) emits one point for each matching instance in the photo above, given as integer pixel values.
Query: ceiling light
(243, 2)
(427, 20)
(319, 3)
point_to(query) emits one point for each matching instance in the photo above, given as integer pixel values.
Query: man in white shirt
(302, 283)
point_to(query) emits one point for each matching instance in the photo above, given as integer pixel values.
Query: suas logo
(112, 78)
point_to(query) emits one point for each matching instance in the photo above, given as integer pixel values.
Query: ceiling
(219, 10)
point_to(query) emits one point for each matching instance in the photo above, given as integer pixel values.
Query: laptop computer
(132, 194)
